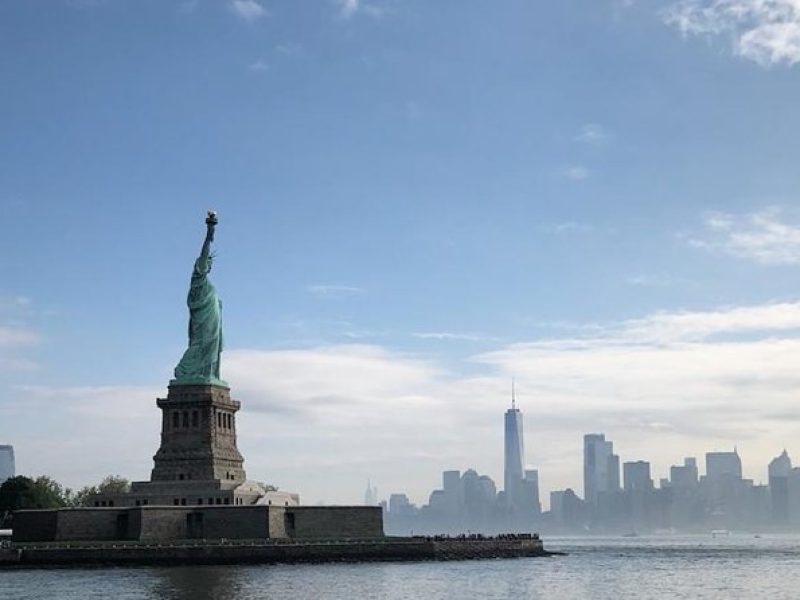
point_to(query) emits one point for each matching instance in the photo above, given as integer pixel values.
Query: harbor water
(676, 566)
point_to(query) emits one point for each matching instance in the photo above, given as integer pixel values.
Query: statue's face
(201, 267)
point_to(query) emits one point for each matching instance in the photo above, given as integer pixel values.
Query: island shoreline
(266, 552)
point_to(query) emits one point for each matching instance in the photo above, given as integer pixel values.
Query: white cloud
(291, 49)
(765, 31)
(592, 134)
(323, 419)
(576, 172)
(334, 290)
(16, 307)
(249, 10)
(664, 327)
(259, 65)
(568, 227)
(13, 341)
(349, 8)
(16, 336)
(80, 434)
(15, 301)
(12, 337)
(356, 374)
(129, 402)
(654, 280)
(448, 336)
(187, 7)
(761, 236)
(17, 364)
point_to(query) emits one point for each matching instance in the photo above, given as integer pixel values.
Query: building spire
(513, 395)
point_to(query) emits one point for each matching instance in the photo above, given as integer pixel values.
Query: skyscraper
(7, 469)
(723, 465)
(521, 486)
(399, 504)
(600, 467)
(684, 476)
(513, 472)
(779, 469)
(453, 491)
(637, 476)
(370, 495)
(530, 491)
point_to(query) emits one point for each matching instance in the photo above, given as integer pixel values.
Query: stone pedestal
(198, 462)
(198, 436)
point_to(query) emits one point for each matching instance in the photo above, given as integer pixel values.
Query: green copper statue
(200, 362)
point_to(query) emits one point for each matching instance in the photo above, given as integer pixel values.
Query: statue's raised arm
(204, 261)
(201, 361)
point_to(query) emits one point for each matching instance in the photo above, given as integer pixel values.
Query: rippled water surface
(738, 566)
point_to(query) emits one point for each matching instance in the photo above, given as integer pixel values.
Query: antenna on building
(513, 395)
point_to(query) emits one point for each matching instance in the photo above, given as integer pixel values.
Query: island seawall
(192, 552)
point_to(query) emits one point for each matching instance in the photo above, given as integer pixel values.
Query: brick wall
(154, 523)
(163, 523)
(240, 522)
(80, 524)
(34, 525)
(337, 521)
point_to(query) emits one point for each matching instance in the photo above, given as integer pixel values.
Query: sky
(417, 202)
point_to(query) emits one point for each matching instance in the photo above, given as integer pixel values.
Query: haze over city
(417, 204)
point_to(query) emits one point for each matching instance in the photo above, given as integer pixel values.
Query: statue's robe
(201, 360)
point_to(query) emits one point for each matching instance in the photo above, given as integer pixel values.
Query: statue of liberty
(200, 362)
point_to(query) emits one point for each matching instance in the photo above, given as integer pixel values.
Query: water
(739, 566)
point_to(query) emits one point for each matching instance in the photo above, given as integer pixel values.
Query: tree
(19, 493)
(23, 492)
(48, 493)
(111, 484)
(114, 484)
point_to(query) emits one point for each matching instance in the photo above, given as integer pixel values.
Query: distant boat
(719, 532)
(630, 534)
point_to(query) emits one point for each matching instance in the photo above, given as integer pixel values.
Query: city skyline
(617, 497)
(419, 205)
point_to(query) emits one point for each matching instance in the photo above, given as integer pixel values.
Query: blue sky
(417, 201)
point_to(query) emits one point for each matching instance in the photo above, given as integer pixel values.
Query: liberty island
(199, 506)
